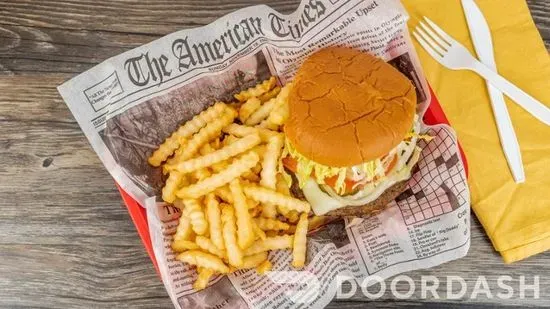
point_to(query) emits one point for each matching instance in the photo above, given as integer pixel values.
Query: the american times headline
(130, 103)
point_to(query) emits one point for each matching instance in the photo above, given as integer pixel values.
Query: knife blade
(483, 44)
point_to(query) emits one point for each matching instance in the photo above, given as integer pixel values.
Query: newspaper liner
(130, 103)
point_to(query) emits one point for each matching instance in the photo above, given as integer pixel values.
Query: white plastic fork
(453, 55)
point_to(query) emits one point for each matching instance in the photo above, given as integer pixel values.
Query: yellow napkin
(516, 217)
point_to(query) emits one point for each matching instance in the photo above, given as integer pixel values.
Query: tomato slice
(292, 165)
(349, 183)
(392, 164)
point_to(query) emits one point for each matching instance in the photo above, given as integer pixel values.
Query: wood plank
(72, 220)
(159, 17)
(78, 275)
(40, 49)
(38, 37)
(65, 239)
(540, 10)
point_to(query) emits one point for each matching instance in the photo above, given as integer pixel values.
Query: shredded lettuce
(425, 137)
(362, 174)
(281, 168)
(340, 186)
(305, 167)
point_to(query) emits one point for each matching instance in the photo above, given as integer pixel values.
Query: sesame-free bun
(348, 107)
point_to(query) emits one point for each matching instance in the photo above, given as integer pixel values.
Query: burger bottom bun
(366, 210)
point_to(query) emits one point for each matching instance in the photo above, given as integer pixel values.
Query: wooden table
(66, 241)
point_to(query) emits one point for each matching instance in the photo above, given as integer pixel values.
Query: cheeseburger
(351, 133)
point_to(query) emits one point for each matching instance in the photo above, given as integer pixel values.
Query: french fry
(213, 214)
(216, 144)
(181, 245)
(281, 186)
(270, 94)
(203, 259)
(207, 245)
(166, 149)
(229, 231)
(291, 216)
(256, 211)
(251, 176)
(268, 173)
(258, 90)
(184, 230)
(252, 261)
(239, 146)
(216, 167)
(194, 211)
(224, 194)
(268, 125)
(258, 231)
(261, 113)
(201, 174)
(204, 150)
(251, 203)
(300, 241)
(219, 167)
(229, 139)
(269, 210)
(264, 195)
(234, 170)
(205, 135)
(264, 267)
(245, 233)
(291, 228)
(204, 275)
(241, 131)
(260, 150)
(191, 127)
(214, 159)
(269, 164)
(179, 204)
(267, 224)
(279, 114)
(171, 186)
(276, 233)
(235, 105)
(270, 243)
(257, 169)
(249, 108)
(194, 125)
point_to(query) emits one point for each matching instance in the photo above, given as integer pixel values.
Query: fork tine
(432, 34)
(439, 31)
(428, 39)
(427, 47)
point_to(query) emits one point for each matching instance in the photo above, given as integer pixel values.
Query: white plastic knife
(481, 37)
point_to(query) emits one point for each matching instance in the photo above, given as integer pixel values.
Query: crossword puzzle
(439, 185)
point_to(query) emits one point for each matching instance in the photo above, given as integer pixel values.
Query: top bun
(348, 107)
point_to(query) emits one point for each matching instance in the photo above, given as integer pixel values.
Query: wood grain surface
(66, 241)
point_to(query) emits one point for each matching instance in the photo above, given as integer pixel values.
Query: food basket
(434, 115)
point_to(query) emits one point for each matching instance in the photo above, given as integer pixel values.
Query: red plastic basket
(434, 115)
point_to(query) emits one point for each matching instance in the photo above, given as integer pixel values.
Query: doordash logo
(432, 287)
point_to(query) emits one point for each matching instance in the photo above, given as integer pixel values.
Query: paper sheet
(130, 103)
